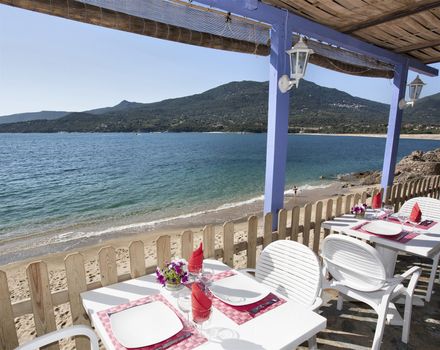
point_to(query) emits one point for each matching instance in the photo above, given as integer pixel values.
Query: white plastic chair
(358, 272)
(293, 270)
(52, 337)
(430, 208)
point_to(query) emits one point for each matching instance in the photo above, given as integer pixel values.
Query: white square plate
(145, 325)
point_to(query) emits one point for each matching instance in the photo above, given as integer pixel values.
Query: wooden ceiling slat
(418, 46)
(390, 38)
(419, 29)
(401, 34)
(420, 55)
(377, 40)
(305, 8)
(409, 10)
(432, 60)
(430, 20)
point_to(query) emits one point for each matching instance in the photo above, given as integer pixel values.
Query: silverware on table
(176, 340)
(264, 305)
(130, 307)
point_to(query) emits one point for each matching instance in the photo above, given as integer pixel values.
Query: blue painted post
(278, 123)
(394, 124)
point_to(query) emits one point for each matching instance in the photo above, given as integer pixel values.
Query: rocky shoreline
(414, 166)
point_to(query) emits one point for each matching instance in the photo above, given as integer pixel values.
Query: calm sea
(54, 181)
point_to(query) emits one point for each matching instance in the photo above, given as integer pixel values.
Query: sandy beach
(89, 248)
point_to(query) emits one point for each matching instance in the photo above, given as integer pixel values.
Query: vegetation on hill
(242, 107)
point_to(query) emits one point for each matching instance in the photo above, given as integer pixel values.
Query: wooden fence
(304, 228)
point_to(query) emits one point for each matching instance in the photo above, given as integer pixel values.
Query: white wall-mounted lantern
(414, 90)
(299, 57)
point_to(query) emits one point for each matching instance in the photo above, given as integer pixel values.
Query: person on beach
(295, 190)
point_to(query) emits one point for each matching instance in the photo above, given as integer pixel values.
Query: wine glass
(202, 321)
(184, 302)
(388, 209)
(402, 219)
(205, 278)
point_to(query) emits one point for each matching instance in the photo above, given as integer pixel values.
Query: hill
(50, 115)
(242, 106)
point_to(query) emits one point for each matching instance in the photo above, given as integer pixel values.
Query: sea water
(64, 182)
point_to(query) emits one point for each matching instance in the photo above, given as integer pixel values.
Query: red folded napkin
(416, 214)
(376, 203)
(195, 261)
(201, 304)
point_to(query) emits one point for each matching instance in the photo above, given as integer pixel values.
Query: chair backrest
(292, 269)
(353, 263)
(430, 207)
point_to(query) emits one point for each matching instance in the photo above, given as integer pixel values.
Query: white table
(284, 327)
(426, 244)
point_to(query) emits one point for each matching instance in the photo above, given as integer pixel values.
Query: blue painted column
(277, 127)
(394, 124)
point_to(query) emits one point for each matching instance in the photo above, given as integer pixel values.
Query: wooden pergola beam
(391, 16)
(74, 10)
(419, 46)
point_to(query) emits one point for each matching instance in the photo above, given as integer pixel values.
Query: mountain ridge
(241, 106)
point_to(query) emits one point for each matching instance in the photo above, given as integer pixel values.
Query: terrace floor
(354, 326)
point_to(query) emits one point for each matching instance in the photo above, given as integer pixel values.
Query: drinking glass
(402, 219)
(388, 209)
(205, 278)
(184, 302)
(201, 322)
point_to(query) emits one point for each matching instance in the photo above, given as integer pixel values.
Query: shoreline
(434, 137)
(19, 249)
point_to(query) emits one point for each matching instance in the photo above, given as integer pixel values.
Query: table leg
(389, 257)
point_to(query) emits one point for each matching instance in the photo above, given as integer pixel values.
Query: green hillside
(242, 106)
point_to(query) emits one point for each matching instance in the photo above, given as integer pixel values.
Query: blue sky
(49, 63)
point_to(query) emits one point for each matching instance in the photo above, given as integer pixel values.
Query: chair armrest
(411, 271)
(61, 334)
(317, 304)
(415, 273)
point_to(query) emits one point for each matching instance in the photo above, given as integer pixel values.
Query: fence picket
(348, 204)
(317, 228)
(328, 215)
(386, 200)
(187, 244)
(209, 241)
(163, 248)
(41, 299)
(267, 234)
(398, 195)
(356, 198)
(282, 223)
(338, 210)
(228, 244)
(107, 265)
(364, 197)
(76, 284)
(307, 219)
(8, 333)
(136, 250)
(252, 241)
(295, 223)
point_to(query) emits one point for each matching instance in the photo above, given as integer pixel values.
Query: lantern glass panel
(414, 91)
(301, 63)
(293, 64)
